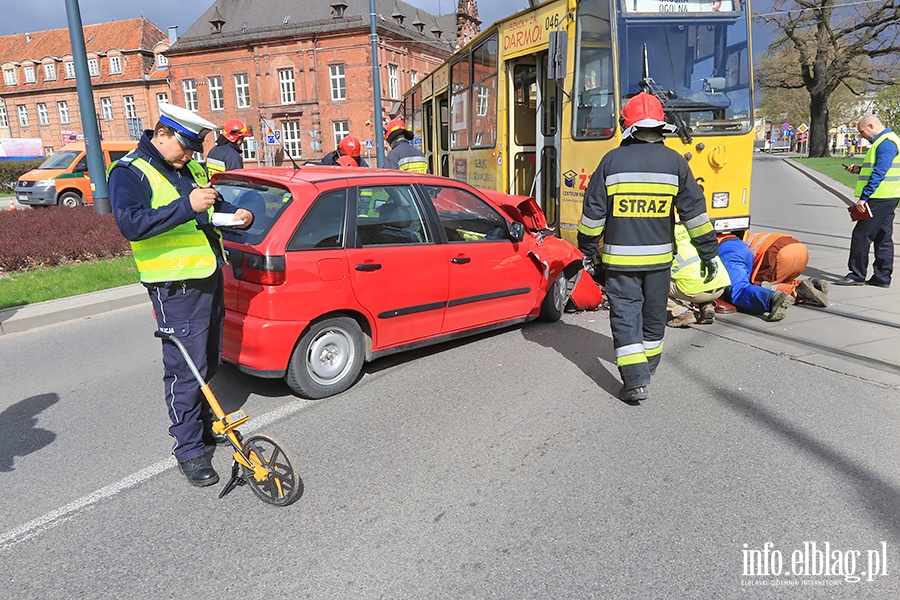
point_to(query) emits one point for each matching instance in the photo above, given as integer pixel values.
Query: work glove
(709, 269)
(588, 265)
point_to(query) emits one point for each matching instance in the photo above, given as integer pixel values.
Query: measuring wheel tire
(71, 200)
(283, 486)
(328, 358)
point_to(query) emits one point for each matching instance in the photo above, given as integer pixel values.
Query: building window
(286, 84)
(4, 118)
(9, 76)
(43, 115)
(393, 82)
(94, 67)
(248, 148)
(49, 72)
(341, 130)
(413, 77)
(130, 112)
(23, 115)
(242, 90)
(48, 151)
(106, 109)
(190, 94)
(70, 70)
(29, 75)
(216, 93)
(162, 61)
(162, 98)
(338, 82)
(290, 135)
(115, 65)
(63, 111)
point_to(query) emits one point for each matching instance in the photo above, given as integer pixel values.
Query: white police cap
(190, 128)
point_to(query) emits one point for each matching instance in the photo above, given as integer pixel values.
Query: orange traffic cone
(12, 204)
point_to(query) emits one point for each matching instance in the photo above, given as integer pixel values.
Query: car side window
(323, 224)
(466, 217)
(115, 155)
(389, 215)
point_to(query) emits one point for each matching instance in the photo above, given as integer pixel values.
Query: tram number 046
(551, 22)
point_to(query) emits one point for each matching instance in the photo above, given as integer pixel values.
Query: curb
(39, 314)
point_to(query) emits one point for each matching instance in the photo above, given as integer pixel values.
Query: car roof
(316, 173)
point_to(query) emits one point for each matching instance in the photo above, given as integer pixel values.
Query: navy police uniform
(191, 308)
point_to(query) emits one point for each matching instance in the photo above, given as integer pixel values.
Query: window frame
(290, 141)
(338, 81)
(191, 98)
(62, 107)
(106, 109)
(129, 107)
(4, 118)
(93, 67)
(43, 113)
(287, 89)
(115, 65)
(242, 84)
(216, 92)
(49, 71)
(29, 69)
(22, 111)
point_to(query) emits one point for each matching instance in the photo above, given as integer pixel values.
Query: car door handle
(460, 260)
(368, 267)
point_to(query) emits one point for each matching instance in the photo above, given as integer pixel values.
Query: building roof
(126, 35)
(266, 19)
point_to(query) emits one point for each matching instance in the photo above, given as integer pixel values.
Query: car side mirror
(516, 231)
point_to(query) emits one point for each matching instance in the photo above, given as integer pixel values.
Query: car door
(492, 278)
(398, 271)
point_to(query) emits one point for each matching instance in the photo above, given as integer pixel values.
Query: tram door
(442, 166)
(534, 134)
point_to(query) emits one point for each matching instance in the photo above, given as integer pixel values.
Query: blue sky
(20, 16)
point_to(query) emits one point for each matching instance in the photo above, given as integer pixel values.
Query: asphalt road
(498, 467)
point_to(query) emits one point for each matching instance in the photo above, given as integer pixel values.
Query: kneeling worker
(779, 259)
(689, 286)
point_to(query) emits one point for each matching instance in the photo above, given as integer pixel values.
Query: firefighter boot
(808, 293)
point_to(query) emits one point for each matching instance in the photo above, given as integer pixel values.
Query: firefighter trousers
(637, 318)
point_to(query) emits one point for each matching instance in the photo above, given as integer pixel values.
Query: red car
(342, 266)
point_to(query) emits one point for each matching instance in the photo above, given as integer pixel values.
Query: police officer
(878, 187)
(163, 204)
(629, 201)
(227, 154)
(349, 147)
(403, 155)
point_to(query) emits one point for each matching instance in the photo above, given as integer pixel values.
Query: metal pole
(376, 82)
(96, 164)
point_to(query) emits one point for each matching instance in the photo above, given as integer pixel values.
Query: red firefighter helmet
(396, 127)
(347, 161)
(349, 146)
(645, 112)
(235, 130)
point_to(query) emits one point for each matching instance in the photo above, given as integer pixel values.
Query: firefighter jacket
(630, 201)
(225, 156)
(886, 177)
(406, 157)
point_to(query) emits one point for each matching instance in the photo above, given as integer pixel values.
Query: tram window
(460, 74)
(525, 104)
(549, 110)
(551, 184)
(484, 94)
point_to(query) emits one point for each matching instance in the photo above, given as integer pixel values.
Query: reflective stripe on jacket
(890, 185)
(182, 252)
(406, 157)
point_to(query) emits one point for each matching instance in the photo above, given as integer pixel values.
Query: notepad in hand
(857, 213)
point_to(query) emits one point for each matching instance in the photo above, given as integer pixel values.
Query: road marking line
(63, 514)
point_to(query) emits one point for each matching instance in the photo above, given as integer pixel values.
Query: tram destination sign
(676, 7)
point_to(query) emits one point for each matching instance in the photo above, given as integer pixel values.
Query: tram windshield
(698, 64)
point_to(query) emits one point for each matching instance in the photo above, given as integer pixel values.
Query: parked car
(343, 266)
(63, 178)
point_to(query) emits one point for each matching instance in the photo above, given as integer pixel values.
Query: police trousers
(193, 311)
(637, 318)
(875, 231)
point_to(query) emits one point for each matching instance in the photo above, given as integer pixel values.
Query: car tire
(71, 200)
(328, 358)
(555, 301)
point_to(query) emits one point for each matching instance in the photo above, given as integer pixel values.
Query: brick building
(302, 69)
(38, 96)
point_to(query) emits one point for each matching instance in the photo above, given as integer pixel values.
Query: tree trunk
(818, 127)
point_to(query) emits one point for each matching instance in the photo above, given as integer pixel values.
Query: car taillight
(255, 268)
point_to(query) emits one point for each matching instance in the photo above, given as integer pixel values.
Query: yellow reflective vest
(890, 185)
(686, 267)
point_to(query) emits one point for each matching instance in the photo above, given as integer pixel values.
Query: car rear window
(264, 201)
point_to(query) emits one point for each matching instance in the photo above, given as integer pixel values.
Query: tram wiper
(665, 97)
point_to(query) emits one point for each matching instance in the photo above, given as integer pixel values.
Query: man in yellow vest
(878, 188)
(163, 204)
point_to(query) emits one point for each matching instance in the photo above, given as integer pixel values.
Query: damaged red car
(342, 266)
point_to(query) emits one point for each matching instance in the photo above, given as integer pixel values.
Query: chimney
(173, 34)
(27, 37)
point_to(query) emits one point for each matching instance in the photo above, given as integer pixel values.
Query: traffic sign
(369, 145)
(803, 128)
(277, 134)
(270, 139)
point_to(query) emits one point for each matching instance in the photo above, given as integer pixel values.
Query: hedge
(11, 170)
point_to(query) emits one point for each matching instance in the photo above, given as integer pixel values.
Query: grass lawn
(833, 167)
(17, 289)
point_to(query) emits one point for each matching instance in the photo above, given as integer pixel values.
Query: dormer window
(115, 65)
(338, 8)
(49, 72)
(436, 32)
(398, 16)
(29, 75)
(217, 21)
(162, 61)
(419, 24)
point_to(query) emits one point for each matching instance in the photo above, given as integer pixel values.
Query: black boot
(199, 471)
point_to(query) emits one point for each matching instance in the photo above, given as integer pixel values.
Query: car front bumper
(36, 196)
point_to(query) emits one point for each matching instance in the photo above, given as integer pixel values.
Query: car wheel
(555, 301)
(70, 199)
(327, 359)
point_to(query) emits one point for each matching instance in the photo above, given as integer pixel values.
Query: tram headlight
(720, 199)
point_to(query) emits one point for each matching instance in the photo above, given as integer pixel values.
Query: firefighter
(347, 154)
(630, 201)
(403, 155)
(227, 155)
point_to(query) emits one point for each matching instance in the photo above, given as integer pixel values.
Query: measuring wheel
(280, 484)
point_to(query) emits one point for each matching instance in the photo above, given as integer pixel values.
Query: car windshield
(264, 201)
(60, 160)
(697, 64)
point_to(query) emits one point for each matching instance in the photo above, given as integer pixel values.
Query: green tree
(887, 106)
(822, 45)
